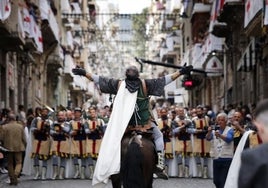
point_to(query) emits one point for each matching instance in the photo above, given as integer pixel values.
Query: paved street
(27, 182)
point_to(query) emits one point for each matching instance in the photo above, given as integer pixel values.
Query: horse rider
(136, 91)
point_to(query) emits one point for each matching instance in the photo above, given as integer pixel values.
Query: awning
(5, 9)
(214, 67)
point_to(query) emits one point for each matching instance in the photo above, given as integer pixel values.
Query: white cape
(232, 177)
(108, 162)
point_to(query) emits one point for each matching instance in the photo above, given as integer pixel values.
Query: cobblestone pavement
(27, 182)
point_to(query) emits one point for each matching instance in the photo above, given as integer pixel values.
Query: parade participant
(253, 170)
(14, 140)
(40, 128)
(192, 113)
(249, 139)
(183, 144)
(201, 147)
(96, 129)
(78, 133)
(164, 124)
(60, 146)
(69, 115)
(21, 117)
(222, 149)
(158, 140)
(237, 125)
(133, 113)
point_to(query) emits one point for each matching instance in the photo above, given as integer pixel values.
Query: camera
(215, 127)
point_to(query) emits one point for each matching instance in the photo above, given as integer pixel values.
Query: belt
(142, 128)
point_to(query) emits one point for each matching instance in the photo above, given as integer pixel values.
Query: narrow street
(27, 182)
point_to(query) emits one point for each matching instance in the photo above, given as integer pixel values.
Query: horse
(138, 159)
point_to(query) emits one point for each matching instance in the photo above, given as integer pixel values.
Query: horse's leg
(116, 181)
(149, 162)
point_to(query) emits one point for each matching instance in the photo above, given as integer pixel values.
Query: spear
(139, 60)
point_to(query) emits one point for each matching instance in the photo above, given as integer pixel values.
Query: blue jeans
(220, 171)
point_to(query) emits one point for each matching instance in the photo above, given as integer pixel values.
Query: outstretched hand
(79, 71)
(186, 69)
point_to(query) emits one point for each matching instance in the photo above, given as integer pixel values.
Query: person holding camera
(221, 149)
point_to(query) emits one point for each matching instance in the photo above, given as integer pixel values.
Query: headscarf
(133, 81)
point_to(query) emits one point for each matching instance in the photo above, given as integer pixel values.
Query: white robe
(232, 176)
(108, 162)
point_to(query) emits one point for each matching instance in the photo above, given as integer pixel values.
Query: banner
(5, 9)
(252, 7)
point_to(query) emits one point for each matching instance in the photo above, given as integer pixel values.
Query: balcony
(231, 10)
(55, 59)
(49, 26)
(68, 64)
(200, 16)
(11, 30)
(3, 29)
(33, 40)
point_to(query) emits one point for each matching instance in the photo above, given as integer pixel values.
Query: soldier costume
(79, 131)
(94, 137)
(183, 144)
(40, 128)
(201, 145)
(60, 147)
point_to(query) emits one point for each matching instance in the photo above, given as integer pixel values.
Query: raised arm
(182, 71)
(82, 72)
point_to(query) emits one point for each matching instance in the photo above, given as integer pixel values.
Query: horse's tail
(132, 167)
